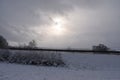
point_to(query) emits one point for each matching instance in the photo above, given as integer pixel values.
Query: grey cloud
(23, 11)
(20, 15)
(87, 4)
(90, 21)
(101, 25)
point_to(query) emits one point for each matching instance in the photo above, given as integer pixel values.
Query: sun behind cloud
(58, 27)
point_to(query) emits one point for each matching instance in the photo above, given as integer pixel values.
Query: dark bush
(100, 47)
(4, 55)
(36, 58)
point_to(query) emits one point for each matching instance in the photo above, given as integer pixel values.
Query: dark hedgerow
(4, 55)
(35, 58)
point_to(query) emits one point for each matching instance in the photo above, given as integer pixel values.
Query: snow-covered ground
(92, 61)
(79, 67)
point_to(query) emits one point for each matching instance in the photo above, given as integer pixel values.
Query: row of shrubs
(32, 57)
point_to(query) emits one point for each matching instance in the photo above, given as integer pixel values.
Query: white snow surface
(79, 67)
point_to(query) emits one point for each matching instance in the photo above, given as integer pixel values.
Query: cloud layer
(88, 22)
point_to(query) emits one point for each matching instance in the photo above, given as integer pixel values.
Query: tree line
(33, 44)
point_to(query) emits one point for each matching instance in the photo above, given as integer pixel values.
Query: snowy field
(79, 67)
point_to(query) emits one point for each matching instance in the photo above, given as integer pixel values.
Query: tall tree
(3, 42)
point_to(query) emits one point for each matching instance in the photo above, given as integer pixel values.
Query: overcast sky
(61, 23)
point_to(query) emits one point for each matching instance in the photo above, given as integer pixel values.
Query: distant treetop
(100, 47)
(32, 44)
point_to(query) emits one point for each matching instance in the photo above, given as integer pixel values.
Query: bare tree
(32, 44)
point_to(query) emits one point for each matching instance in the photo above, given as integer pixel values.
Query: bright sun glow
(58, 26)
